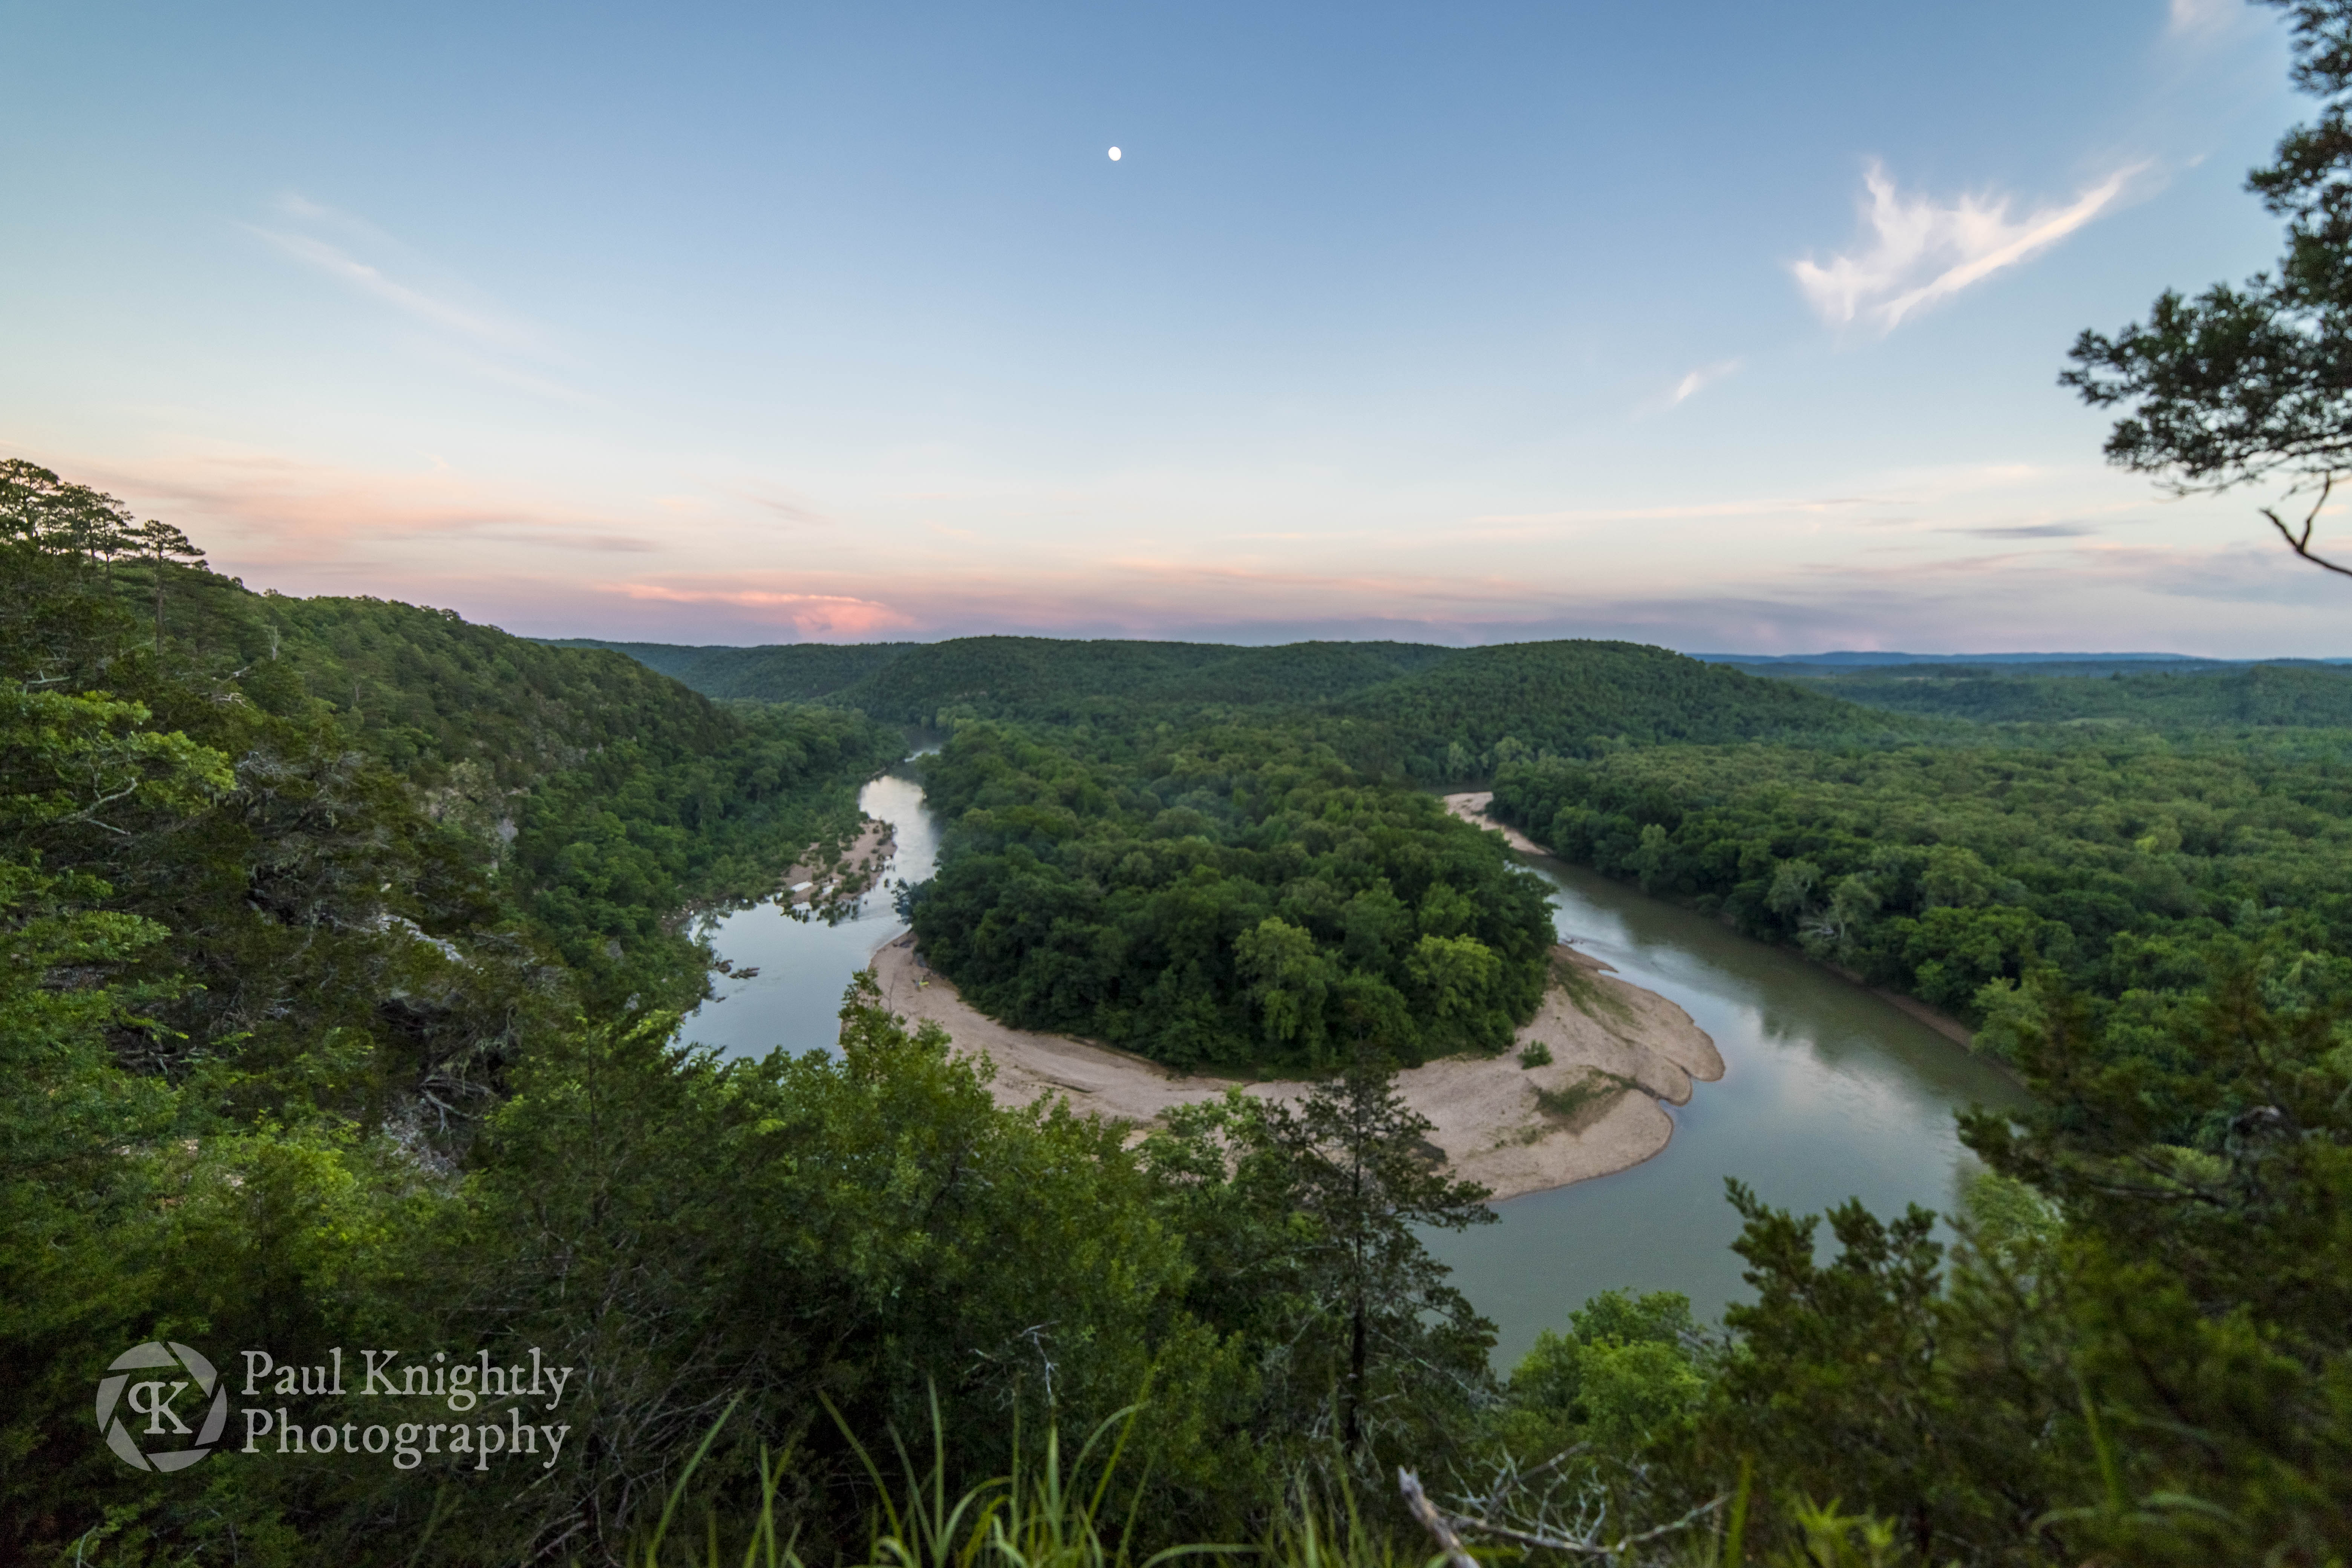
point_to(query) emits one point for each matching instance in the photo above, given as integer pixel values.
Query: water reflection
(1828, 1092)
(804, 965)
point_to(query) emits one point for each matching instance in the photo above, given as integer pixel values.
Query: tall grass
(1046, 1513)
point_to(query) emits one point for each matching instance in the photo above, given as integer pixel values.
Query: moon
(1114, 155)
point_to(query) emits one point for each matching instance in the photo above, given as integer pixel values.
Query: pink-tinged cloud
(1978, 557)
(820, 616)
(1140, 595)
(265, 511)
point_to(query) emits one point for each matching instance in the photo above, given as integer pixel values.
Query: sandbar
(831, 877)
(1616, 1051)
(1471, 807)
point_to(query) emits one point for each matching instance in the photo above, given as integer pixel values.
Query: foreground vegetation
(344, 950)
(2133, 1353)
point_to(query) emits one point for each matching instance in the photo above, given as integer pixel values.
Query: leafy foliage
(2178, 701)
(1953, 872)
(1433, 713)
(1301, 1227)
(939, 1248)
(1232, 897)
(2243, 382)
(257, 983)
(1626, 1372)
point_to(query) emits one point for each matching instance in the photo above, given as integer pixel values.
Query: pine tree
(164, 544)
(1357, 1160)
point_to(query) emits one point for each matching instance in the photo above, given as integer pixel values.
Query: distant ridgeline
(2159, 694)
(1943, 827)
(1432, 713)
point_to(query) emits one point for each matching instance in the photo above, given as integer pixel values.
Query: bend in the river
(1829, 1091)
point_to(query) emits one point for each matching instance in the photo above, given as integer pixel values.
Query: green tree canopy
(2253, 381)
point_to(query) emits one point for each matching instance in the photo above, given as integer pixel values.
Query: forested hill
(2182, 697)
(786, 672)
(429, 691)
(1486, 707)
(1043, 679)
(1438, 713)
(574, 791)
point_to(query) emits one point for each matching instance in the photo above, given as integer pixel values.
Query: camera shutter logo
(157, 1408)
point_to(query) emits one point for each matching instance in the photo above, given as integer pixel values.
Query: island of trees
(344, 946)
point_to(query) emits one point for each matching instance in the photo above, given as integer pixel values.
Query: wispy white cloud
(786, 509)
(1920, 250)
(1699, 379)
(341, 266)
(373, 264)
(2203, 15)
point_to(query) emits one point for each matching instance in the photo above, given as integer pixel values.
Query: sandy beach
(1617, 1050)
(1471, 807)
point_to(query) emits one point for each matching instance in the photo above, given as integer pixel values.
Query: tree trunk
(1351, 1432)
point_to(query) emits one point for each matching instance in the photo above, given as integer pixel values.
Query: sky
(1721, 326)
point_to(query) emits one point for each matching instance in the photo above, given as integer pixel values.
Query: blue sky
(1723, 326)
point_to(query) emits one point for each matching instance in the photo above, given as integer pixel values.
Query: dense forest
(316, 1036)
(797, 672)
(2145, 913)
(1432, 713)
(1231, 897)
(346, 944)
(2179, 697)
(1954, 872)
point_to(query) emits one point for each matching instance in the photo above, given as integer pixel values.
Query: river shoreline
(1471, 807)
(1617, 1051)
(1833, 1093)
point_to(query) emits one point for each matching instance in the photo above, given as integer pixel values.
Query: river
(1828, 1091)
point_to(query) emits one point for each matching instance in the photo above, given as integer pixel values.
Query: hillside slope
(603, 795)
(1486, 707)
(783, 672)
(2187, 698)
(1434, 712)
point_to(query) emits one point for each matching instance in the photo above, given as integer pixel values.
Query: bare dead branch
(1591, 1546)
(2301, 543)
(1566, 1514)
(1457, 1555)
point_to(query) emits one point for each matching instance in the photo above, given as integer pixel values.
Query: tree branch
(2301, 543)
(1591, 1547)
(1457, 1555)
